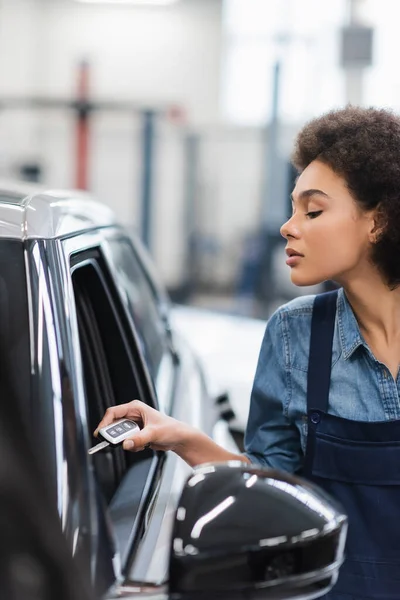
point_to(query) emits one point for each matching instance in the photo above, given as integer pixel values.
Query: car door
(178, 385)
(122, 350)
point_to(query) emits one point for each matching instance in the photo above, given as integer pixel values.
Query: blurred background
(181, 116)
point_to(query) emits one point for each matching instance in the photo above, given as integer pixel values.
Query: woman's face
(328, 235)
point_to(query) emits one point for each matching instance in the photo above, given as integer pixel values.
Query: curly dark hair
(362, 145)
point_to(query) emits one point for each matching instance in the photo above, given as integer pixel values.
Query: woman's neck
(376, 307)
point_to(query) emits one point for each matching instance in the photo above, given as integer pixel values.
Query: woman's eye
(313, 214)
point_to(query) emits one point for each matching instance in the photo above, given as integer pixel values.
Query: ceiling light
(132, 2)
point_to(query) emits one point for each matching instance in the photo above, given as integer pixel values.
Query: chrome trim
(32, 347)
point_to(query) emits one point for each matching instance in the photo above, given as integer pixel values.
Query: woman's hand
(158, 431)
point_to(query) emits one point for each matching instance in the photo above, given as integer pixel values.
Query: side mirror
(245, 532)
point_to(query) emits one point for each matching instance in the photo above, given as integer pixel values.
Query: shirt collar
(349, 330)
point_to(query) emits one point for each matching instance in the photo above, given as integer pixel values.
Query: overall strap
(319, 368)
(320, 357)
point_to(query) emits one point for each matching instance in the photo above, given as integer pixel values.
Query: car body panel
(49, 214)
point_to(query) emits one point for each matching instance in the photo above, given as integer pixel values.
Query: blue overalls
(359, 464)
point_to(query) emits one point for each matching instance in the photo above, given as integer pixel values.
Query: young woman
(325, 399)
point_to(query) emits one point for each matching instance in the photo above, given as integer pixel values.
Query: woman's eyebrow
(307, 194)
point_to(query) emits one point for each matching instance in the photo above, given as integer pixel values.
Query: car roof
(31, 211)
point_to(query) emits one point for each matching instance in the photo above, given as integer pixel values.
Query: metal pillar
(148, 135)
(82, 128)
(192, 142)
(273, 197)
(272, 217)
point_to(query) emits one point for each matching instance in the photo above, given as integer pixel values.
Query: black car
(84, 326)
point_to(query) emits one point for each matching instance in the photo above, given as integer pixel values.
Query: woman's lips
(293, 260)
(293, 257)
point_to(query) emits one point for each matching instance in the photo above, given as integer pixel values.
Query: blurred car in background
(228, 347)
(85, 324)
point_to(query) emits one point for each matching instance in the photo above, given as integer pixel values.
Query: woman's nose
(289, 229)
(285, 229)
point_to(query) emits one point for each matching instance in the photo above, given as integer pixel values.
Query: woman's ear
(377, 225)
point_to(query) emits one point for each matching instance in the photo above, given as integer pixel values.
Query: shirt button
(315, 418)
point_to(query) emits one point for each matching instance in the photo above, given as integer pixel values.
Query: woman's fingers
(130, 410)
(156, 429)
(139, 441)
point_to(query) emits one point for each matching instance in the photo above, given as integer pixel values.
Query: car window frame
(96, 368)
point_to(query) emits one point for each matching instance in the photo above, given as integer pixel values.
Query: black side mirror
(245, 532)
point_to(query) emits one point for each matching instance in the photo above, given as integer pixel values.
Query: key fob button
(113, 432)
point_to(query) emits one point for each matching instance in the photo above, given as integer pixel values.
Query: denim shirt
(361, 387)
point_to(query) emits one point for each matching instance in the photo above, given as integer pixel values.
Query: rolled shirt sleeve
(271, 439)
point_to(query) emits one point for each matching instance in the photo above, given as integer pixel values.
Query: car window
(142, 305)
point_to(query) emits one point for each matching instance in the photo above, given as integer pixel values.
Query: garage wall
(153, 56)
(145, 54)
